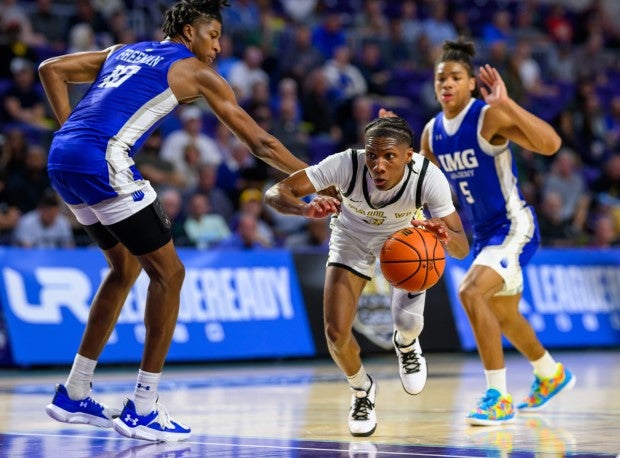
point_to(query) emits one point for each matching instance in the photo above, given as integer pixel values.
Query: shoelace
(163, 417)
(410, 362)
(362, 408)
(487, 401)
(535, 388)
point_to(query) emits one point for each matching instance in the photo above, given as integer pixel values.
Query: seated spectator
(23, 103)
(604, 234)
(204, 228)
(566, 179)
(555, 228)
(48, 27)
(172, 203)
(314, 236)
(173, 147)
(9, 213)
(13, 45)
(27, 185)
(45, 226)
(251, 202)
(247, 72)
(207, 185)
(160, 172)
(245, 236)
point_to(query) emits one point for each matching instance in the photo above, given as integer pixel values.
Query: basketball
(412, 259)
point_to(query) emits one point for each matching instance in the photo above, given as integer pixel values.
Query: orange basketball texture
(412, 259)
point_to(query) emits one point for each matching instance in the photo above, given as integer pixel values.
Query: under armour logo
(144, 387)
(504, 263)
(130, 419)
(83, 404)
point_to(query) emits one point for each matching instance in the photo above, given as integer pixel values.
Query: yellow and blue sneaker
(544, 389)
(493, 409)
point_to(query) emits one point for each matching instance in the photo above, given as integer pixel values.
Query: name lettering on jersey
(402, 214)
(459, 160)
(139, 57)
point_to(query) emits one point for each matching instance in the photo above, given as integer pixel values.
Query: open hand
(436, 226)
(322, 206)
(496, 92)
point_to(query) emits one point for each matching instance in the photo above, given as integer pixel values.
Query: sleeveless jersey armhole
(418, 190)
(354, 176)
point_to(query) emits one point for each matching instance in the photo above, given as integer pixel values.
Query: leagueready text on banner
(234, 305)
(571, 297)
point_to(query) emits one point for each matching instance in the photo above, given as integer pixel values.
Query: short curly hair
(393, 127)
(190, 12)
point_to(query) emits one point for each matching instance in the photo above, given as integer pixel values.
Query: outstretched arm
(285, 198)
(221, 98)
(56, 73)
(509, 120)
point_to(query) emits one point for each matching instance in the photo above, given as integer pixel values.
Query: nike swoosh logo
(413, 296)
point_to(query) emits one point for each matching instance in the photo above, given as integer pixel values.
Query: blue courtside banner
(571, 297)
(234, 305)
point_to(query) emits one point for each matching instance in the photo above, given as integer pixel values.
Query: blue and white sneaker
(157, 426)
(84, 411)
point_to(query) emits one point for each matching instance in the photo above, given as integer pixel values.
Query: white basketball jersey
(368, 211)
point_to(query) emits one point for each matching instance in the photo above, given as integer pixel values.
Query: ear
(188, 32)
(472, 84)
(409, 154)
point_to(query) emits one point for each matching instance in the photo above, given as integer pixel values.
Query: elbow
(552, 145)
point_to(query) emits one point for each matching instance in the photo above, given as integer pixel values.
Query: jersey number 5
(468, 197)
(119, 75)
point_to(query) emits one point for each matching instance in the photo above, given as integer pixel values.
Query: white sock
(360, 380)
(496, 379)
(80, 377)
(145, 393)
(545, 366)
(404, 343)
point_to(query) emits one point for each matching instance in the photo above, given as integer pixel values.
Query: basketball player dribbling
(469, 139)
(382, 187)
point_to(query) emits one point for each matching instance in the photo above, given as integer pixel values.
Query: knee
(336, 335)
(409, 325)
(125, 272)
(469, 294)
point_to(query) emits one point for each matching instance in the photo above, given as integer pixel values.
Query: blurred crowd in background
(313, 73)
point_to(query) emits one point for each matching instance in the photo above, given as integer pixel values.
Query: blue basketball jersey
(484, 176)
(127, 101)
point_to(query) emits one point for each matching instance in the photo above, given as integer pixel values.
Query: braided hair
(393, 127)
(463, 52)
(190, 12)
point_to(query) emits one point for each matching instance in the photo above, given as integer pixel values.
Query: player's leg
(147, 236)
(479, 285)
(550, 377)
(408, 317)
(342, 292)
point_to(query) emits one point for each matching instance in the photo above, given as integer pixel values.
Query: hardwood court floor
(299, 409)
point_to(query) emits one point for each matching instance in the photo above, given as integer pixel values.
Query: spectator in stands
(362, 112)
(329, 34)
(371, 23)
(9, 213)
(499, 29)
(288, 128)
(85, 13)
(173, 148)
(314, 236)
(555, 229)
(245, 236)
(605, 191)
(318, 108)
(49, 28)
(203, 227)
(413, 26)
(245, 73)
(437, 27)
(344, 78)
(45, 226)
(13, 150)
(230, 172)
(227, 59)
(13, 45)
(23, 103)
(160, 172)
(172, 203)
(251, 203)
(219, 201)
(374, 69)
(27, 185)
(565, 178)
(299, 57)
(604, 232)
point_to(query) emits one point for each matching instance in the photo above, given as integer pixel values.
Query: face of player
(386, 160)
(203, 39)
(453, 87)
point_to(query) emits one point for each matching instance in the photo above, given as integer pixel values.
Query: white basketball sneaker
(411, 365)
(362, 416)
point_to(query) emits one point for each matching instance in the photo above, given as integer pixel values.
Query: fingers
(434, 225)
(383, 113)
(322, 206)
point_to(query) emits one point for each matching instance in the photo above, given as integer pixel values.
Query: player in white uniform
(382, 188)
(469, 140)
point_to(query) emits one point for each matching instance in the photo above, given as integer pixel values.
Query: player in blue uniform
(134, 87)
(469, 140)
